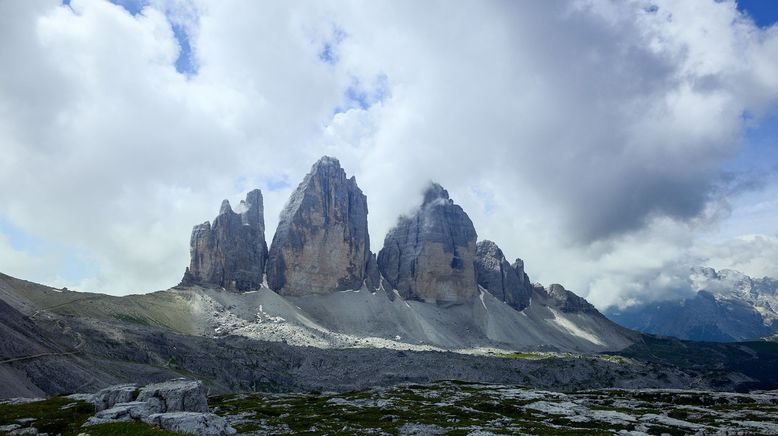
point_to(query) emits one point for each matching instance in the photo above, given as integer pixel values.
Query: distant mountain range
(727, 306)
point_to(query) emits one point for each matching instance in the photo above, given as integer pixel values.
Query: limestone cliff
(321, 244)
(509, 283)
(430, 255)
(232, 252)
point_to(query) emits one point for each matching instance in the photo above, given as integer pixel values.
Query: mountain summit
(231, 253)
(430, 255)
(321, 244)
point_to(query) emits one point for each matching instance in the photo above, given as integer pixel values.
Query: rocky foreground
(180, 407)
(177, 406)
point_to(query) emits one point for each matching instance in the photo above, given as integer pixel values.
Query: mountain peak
(231, 253)
(326, 162)
(508, 283)
(225, 207)
(434, 192)
(431, 255)
(321, 244)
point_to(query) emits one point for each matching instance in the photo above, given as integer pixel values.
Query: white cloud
(588, 138)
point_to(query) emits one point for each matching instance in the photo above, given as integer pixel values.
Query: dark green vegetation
(63, 416)
(461, 408)
(53, 416)
(757, 360)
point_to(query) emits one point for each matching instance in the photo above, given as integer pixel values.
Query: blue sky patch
(19, 239)
(760, 150)
(185, 63)
(357, 95)
(329, 50)
(73, 266)
(763, 12)
(277, 184)
(134, 7)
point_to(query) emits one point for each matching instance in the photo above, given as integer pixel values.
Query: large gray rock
(321, 244)
(176, 396)
(201, 424)
(232, 252)
(112, 395)
(134, 410)
(430, 255)
(508, 283)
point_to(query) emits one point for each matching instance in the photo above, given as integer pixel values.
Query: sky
(612, 145)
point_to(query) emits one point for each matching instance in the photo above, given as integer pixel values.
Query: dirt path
(80, 342)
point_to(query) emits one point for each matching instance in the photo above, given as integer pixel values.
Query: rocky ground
(444, 407)
(480, 409)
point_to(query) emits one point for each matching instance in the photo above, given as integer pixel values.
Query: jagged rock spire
(508, 283)
(322, 243)
(232, 252)
(430, 255)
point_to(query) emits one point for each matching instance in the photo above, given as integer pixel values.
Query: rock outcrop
(321, 244)
(567, 301)
(112, 395)
(176, 396)
(430, 255)
(508, 283)
(232, 252)
(176, 405)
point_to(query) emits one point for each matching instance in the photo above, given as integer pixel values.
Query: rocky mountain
(232, 252)
(430, 256)
(508, 283)
(321, 244)
(432, 288)
(727, 306)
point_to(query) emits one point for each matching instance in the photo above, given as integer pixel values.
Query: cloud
(589, 137)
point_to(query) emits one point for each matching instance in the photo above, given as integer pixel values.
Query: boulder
(112, 395)
(430, 255)
(508, 283)
(232, 252)
(176, 396)
(321, 244)
(134, 410)
(201, 424)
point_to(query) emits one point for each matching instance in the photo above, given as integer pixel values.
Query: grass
(131, 319)
(56, 415)
(63, 416)
(531, 355)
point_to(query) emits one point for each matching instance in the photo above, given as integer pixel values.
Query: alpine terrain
(435, 313)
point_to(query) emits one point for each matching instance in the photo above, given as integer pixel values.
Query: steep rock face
(567, 301)
(509, 283)
(321, 244)
(232, 252)
(430, 256)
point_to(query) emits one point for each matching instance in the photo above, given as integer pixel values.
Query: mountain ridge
(727, 306)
